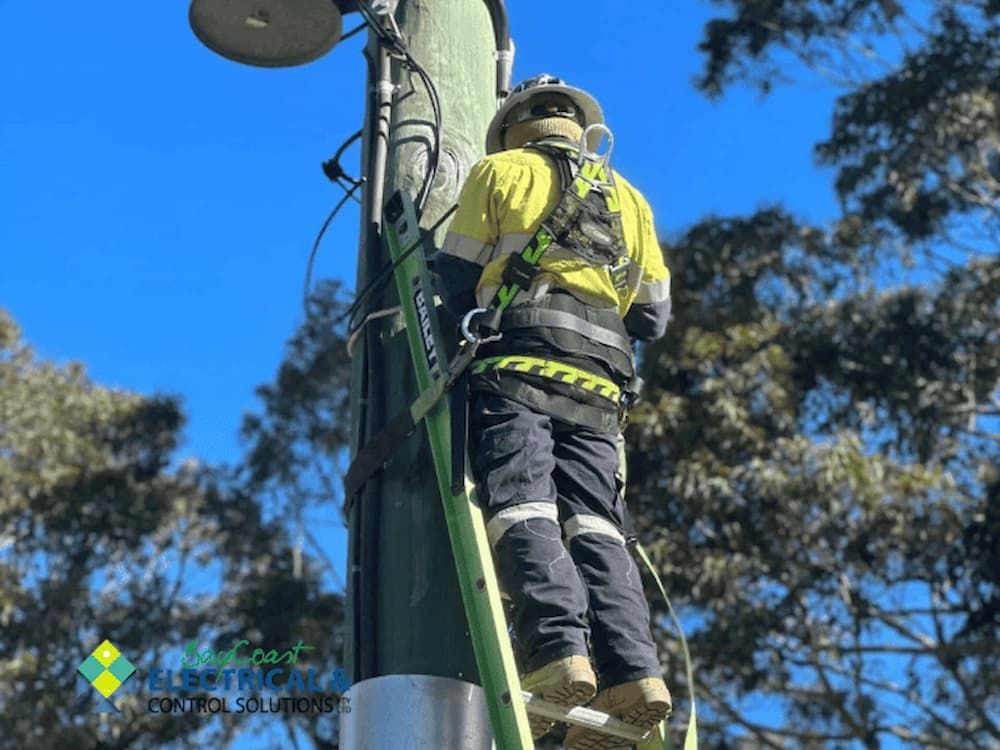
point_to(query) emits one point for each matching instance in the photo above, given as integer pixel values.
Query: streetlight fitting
(267, 33)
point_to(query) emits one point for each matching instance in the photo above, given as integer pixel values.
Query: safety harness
(593, 381)
(587, 222)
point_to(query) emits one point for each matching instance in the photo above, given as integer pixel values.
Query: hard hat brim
(588, 106)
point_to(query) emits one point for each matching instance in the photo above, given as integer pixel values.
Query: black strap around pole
(373, 456)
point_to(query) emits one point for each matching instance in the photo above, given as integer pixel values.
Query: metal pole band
(415, 711)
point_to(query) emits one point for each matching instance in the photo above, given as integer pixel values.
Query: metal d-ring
(586, 153)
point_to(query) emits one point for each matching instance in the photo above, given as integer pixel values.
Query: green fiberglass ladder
(508, 705)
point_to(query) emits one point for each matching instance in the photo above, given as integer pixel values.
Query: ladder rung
(584, 717)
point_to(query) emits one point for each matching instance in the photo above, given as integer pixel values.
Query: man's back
(513, 192)
(504, 200)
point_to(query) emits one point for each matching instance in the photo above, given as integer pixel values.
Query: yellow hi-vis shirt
(503, 202)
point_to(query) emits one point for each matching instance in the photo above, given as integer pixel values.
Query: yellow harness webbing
(548, 368)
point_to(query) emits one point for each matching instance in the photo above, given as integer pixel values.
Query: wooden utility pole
(408, 646)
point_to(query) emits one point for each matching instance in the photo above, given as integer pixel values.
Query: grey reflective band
(502, 521)
(465, 248)
(510, 244)
(587, 524)
(652, 292)
(516, 318)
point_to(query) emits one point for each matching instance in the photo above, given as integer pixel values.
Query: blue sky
(159, 202)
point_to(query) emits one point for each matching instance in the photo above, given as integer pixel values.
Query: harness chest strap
(518, 274)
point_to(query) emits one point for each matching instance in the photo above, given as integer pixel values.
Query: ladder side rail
(466, 528)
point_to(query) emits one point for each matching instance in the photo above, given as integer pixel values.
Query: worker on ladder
(553, 260)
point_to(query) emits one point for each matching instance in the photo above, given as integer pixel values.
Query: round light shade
(267, 33)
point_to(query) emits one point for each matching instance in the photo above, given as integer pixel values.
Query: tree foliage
(294, 457)
(816, 463)
(102, 538)
(916, 133)
(815, 484)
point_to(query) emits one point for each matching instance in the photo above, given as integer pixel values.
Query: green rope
(691, 739)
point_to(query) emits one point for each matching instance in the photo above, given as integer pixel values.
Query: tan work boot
(569, 681)
(643, 703)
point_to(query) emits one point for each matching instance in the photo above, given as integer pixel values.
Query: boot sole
(575, 693)
(646, 716)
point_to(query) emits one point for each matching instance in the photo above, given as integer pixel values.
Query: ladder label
(426, 330)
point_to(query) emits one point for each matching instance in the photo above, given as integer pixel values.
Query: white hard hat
(588, 108)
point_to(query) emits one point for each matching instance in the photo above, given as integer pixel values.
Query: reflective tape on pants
(586, 524)
(497, 526)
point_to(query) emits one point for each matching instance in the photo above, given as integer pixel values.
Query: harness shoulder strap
(522, 267)
(587, 219)
(561, 155)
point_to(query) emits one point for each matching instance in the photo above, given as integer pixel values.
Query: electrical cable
(371, 18)
(332, 167)
(352, 32)
(307, 285)
(347, 188)
(504, 45)
(335, 173)
(382, 277)
(394, 42)
(435, 156)
(369, 318)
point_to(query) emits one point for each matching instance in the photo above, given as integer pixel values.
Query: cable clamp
(386, 9)
(386, 90)
(370, 318)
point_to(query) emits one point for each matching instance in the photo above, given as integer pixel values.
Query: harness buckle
(629, 397)
(473, 337)
(619, 275)
(632, 391)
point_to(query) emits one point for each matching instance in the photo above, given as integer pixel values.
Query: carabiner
(475, 338)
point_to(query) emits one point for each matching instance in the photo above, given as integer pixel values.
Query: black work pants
(552, 500)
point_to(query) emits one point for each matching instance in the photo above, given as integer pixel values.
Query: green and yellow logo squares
(106, 669)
